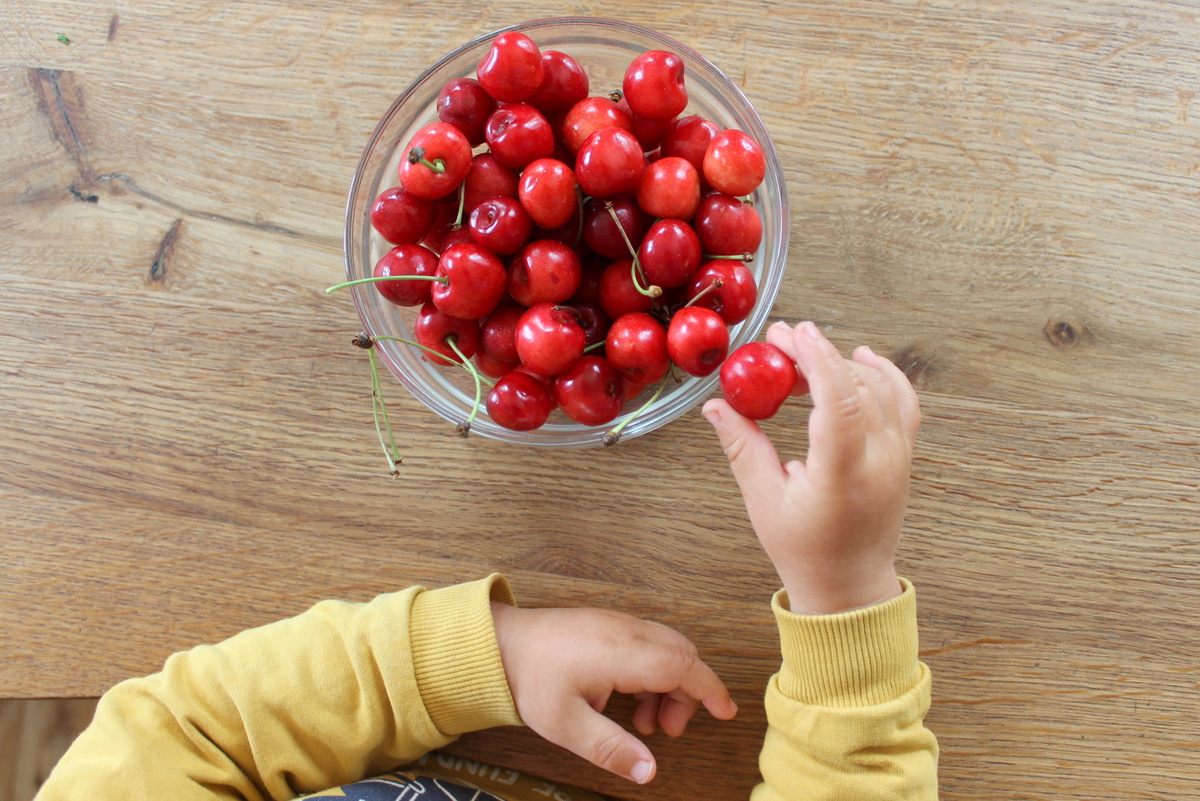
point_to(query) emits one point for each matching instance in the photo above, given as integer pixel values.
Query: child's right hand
(831, 523)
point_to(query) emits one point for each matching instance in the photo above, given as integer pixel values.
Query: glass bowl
(604, 48)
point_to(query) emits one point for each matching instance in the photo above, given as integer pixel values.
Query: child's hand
(830, 524)
(563, 664)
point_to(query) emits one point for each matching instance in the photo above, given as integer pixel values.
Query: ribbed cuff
(859, 658)
(456, 659)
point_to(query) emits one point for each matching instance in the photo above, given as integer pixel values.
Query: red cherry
(519, 134)
(757, 378)
(610, 162)
(594, 323)
(487, 178)
(490, 366)
(512, 70)
(734, 163)
(401, 217)
(588, 116)
(406, 260)
(727, 226)
(648, 132)
(654, 85)
(563, 85)
(636, 346)
(433, 326)
(458, 236)
(601, 231)
(475, 281)
(466, 105)
(498, 332)
(688, 138)
(547, 191)
(545, 271)
(734, 299)
(546, 382)
(670, 253)
(669, 188)
(590, 391)
(435, 162)
(519, 402)
(697, 340)
(618, 294)
(549, 338)
(501, 225)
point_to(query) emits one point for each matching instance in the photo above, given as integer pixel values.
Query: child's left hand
(563, 664)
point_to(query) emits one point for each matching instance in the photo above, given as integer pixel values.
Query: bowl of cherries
(561, 230)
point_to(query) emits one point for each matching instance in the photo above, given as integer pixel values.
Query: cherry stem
(747, 258)
(579, 205)
(417, 156)
(716, 284)
(379, 410)
(615, 95)
(595, 346)
(465, 428)
(433, 352)
(441, 279)
(462, 202)
(639, 277)
(614, 436)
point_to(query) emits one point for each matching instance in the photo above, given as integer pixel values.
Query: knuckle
(606, 753)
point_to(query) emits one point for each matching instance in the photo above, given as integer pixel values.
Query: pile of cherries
(573, 247)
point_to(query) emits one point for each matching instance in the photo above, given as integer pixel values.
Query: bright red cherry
(669, 188)
(518, 134)
(590, 391)
(588, 116)
(547, 191)
(433, 326)
(512, 70)
(475, 281)
(654, 85)
(401, 217)
(670, 253)
(563, 85)
(697, 340)
(727, 226)
(610, 162)
(406, 260)
(757, 378)
(519, 402)
(734, 299)
(688, 138)
(501, 225)
(734, 163)
(549, 338)
(436, 161)
(544, 271)
(466, 105)
(636, 346)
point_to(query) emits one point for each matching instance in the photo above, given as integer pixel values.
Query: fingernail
(641, 772)
(868, 347)
(713, 416)
(811, 330)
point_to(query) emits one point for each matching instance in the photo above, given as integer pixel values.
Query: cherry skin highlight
(757, 378)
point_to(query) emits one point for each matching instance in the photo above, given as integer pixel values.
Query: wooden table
(1004, 197)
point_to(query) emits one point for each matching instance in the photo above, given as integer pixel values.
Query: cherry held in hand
(757, 378)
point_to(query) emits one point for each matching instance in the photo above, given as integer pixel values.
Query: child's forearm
(845, 711)
(328, 697)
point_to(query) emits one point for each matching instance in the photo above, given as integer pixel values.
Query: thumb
(605, 744)
(752, 457)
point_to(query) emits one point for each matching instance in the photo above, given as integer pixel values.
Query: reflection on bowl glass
(604, 48)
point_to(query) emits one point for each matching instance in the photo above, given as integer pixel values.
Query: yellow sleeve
(337, 693)
(845, 712)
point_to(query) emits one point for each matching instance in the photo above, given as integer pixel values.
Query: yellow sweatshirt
(346, 691)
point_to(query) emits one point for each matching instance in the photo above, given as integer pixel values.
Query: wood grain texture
(34, 734)
(1000, 196)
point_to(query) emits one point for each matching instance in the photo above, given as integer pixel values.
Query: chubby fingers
(752, 456)
(903, 398)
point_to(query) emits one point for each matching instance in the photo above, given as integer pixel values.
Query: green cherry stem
(379, 410)
(639, 277)
(441, 279)
(417, 156)
(716, 284)
(433, 352)
(462, 203)
(595, 346)
(614, 436)
(465, 428)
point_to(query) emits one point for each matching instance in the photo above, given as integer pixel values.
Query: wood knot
(914, 363)
(1065, 333)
